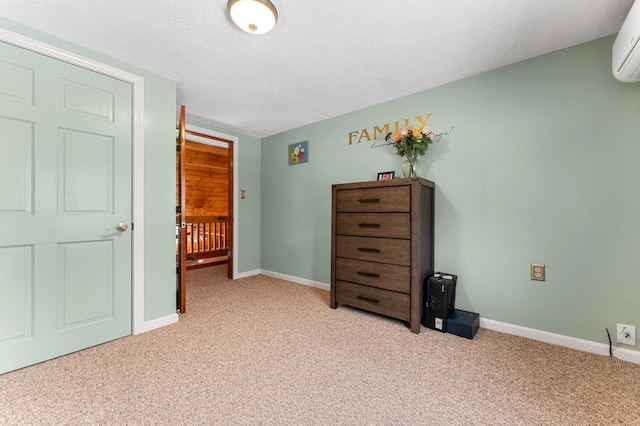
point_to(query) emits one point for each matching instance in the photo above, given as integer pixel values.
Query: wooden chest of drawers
(382, 246)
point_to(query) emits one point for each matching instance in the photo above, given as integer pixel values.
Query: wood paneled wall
(207, 180)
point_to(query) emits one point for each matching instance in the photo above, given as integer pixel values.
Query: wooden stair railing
(207, 236)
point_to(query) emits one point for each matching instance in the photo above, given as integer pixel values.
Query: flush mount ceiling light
(253, 16)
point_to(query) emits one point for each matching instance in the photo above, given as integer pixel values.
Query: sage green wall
(540, 167)
(159, 195)
(159, 172)
(248, 209)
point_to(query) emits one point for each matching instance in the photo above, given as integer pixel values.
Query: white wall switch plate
(627, 334)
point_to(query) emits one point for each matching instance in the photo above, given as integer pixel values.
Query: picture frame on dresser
(386, 175)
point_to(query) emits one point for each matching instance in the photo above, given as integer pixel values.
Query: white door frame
(236, 150)
(137, 82)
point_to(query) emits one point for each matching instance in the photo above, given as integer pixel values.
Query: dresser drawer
(373, 274)
(384, 302)
(391, 199)
(384, 250)
(393, 225)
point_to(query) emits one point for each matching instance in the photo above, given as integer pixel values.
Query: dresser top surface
(385, 183)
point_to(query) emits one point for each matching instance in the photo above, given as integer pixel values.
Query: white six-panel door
(65, 185)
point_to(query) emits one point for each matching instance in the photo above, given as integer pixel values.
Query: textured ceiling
(325, 57)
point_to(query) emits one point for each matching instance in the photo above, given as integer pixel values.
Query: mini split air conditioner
(626, 48)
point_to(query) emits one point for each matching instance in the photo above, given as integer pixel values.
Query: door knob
(121, 227)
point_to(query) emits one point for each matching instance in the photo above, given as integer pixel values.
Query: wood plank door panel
(65, 184)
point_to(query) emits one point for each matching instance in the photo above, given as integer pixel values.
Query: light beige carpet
(262, 351)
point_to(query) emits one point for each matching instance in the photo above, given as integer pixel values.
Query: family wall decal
(381, 134)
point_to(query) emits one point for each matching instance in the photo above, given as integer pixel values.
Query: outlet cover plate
(627, 334)
(537, 272)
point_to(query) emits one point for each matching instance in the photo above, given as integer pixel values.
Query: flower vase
(409, 167)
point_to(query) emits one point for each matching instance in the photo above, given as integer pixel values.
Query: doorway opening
(205, 205)
(207, 195)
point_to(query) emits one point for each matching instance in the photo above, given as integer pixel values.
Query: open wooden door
(232, 219)
(181, 222)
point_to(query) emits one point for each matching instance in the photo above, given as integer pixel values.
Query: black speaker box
(439, 300)
(463, 323)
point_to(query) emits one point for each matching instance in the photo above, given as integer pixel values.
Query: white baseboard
(248, 273)
(159, 322)
(516, 330)
(561, 340)
(297, 280)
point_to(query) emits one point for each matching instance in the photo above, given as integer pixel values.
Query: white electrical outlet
(627, 334)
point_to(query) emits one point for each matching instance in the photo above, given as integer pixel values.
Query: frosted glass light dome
(253, 16)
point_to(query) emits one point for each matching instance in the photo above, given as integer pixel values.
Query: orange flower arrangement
(412, 143)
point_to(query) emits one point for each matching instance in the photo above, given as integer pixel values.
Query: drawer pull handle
(366, 299)
(369, 250)
(369, 274)
(369, 225)
(369, 200)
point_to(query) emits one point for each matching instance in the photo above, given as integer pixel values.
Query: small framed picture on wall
(298, 153)
(386, 175)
